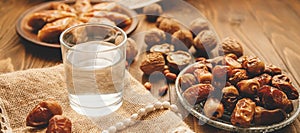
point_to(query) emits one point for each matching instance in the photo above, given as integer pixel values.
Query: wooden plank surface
(268, 29)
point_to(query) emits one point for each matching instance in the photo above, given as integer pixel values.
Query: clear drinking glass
(94, 60)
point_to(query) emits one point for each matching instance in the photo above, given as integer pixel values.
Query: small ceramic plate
(226, 125)
(24, 31)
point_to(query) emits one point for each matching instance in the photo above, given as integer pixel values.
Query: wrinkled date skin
(231, 45)
(237, 75)
(248, 87)
(203, 76)
(232, 62)
(272, 70)
(213, 108)
(264, 116)
(243, 112)
(273, 98)
(199, 65)
(253, 65)
(283, 83)
(197, 93)
(230, 97)
(187, 80)
(152, 62)
(42, 113)
(264, 79)
(59, 124)
(221, 72)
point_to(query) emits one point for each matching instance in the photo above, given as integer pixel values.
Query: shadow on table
(47, 53)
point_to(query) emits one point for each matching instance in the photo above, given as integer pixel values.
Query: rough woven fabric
(21, 91)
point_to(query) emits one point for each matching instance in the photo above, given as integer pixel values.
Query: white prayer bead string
(141, 113)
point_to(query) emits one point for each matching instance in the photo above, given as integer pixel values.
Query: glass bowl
(226, 125)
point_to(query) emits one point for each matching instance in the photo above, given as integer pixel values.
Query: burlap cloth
(22, 90)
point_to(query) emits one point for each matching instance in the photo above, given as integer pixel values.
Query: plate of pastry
(238, 93)
(43, 23)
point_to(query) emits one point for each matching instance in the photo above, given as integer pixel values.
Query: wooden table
(267, 28)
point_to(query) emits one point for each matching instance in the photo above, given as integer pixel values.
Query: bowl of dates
(241, 94)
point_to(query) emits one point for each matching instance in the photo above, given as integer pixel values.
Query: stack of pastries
(49, 24)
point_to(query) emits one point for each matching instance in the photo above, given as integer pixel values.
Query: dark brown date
(233, 56)
(248, 87)
(230, 45)
(203, 76)
(213, 108)
(253, 65)
(243, 112)
(237, 75)
(282, 82)
(197, 93)
(197, 66)
(59, 124)
(273, 98)
(264, 116)
(264, 79)
(232, 62)
(187, 80)
(220, 72)
(230, 97)
(42, 113)
(272, 70)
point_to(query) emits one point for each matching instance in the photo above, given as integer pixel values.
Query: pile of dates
(49, 114)
(242, 90)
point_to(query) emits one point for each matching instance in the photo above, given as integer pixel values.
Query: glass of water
(94, 61)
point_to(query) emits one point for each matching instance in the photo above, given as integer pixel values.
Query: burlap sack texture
(22, 90)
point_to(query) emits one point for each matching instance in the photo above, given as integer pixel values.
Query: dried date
(154, 36)
(273, 98)
(264, 116)
(283, 83)
(59, 124)
(230, 45)
(152, 12)
(221, 72)
(203, 76)
(205, 41)
(42, 113)
(197, 93)
(153, 62)
(199, 65)
(237, 75)
(178, 60)
(264, 79)
(232, 62)
(187, 80)
(168, 25)
(198, 25)
(182, 39)
(213, 108)
(243, 112)
(230, 97)
(253, 65)
(248, 87)
(131, 49)
(272, 70)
